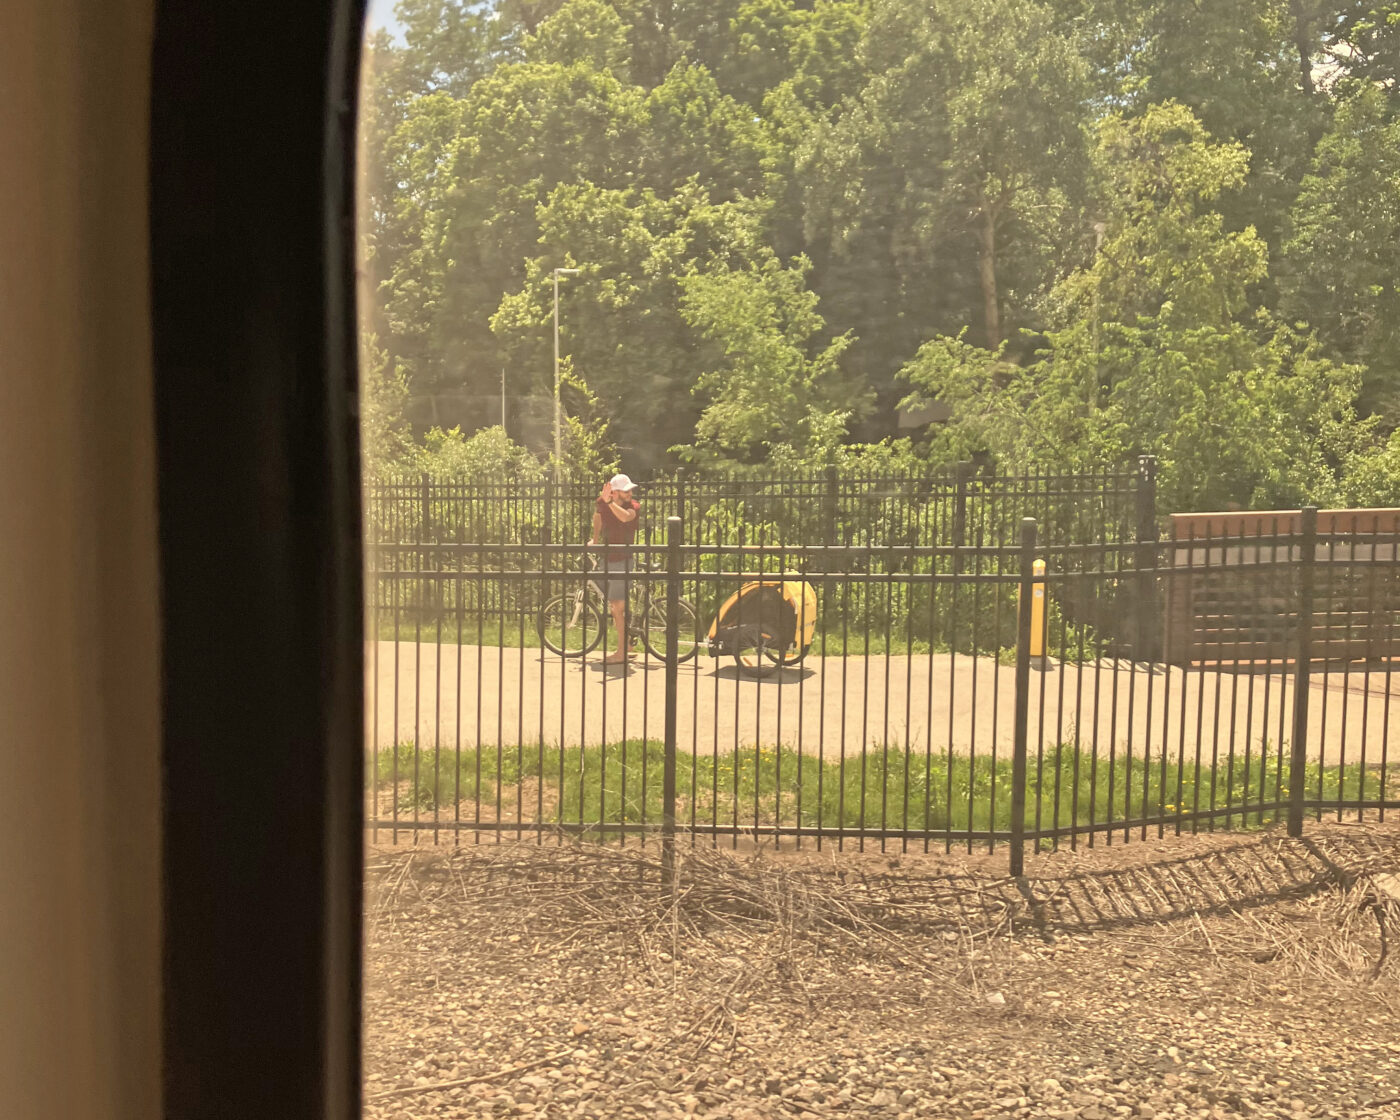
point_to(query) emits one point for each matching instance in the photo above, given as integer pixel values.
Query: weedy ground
(1216, 976)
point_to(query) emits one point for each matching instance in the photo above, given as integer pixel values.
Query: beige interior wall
(79, 716)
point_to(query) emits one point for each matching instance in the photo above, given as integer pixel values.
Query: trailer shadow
(788, 674)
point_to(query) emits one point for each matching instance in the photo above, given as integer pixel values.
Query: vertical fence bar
(668, 773)
(1144, 560)
(1389, 648)
(680, 494)
(425, 504)
(428, 588)
(1329, 598)
(547, 535)
(1023, 689)
(961, 471)
(1301, 671)
(371, 547)
(829, 504)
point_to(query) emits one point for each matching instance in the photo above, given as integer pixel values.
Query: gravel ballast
(1218, 976)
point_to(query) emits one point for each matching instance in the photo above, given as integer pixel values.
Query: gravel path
(442, 695)
(1215, 977)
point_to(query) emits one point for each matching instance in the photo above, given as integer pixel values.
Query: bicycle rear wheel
(654, 630)
(570, 625)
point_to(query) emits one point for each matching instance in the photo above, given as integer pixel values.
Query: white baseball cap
(620, 482)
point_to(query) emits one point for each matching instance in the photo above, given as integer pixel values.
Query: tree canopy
(1091, 228)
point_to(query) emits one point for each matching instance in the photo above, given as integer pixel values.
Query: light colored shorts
(614, 587)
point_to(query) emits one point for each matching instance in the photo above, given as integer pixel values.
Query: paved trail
(471, 694)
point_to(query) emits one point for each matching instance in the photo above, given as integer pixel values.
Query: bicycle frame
(637, 600)
(645, 618)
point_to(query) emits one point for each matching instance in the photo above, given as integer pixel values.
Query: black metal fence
(926, 708)
(866, 521)
(965, 504)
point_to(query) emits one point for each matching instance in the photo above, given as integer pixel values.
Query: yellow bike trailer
(766, 624)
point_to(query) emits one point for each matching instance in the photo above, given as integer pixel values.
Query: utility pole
(558, 445)
(1092, 395)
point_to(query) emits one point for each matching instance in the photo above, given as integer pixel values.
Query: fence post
(668, 772)
(961, 472)
(1302, 671)
(1023, 696)
(1145, 560)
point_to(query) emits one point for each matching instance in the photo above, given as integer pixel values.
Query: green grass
(874, 789)
(490, 632)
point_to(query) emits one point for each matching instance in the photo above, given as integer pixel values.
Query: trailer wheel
(784, 658)
(761, 659)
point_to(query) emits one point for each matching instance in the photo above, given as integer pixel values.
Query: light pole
(1091, 398)
(557, 447)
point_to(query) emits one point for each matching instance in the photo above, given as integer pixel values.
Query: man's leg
(618, 607)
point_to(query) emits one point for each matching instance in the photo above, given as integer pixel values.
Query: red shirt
(615, 530)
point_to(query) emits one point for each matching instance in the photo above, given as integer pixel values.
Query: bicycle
(571, 624)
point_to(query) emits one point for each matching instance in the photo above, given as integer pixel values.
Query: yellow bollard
(1038, 610)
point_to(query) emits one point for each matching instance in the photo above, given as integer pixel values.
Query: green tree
(1211, 284)
(927, 183)
(385, 438)
(448, 45)
(1342, 265)
(1372, 478)
(1360, 40)
(696, 134)
(824, 51)
(486, 455)
(408, 268)
(519, 134)
(582, 32)
(1235, 64)
(1155, 350)
(621, 323)
(774, 382)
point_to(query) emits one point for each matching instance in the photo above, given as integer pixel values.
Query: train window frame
(252, 132)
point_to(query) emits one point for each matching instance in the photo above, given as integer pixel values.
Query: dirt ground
(1216, 976)
(443, 695)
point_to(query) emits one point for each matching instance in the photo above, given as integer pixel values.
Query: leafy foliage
(1090, 228)
(1343, 272)
(384, 435)
(765, 391)
(485, 456)
(1156, 351)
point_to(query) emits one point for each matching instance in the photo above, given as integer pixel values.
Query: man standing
(615, 522)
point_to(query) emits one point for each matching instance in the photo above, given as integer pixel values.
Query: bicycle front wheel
(654, 630)
(569, 625)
